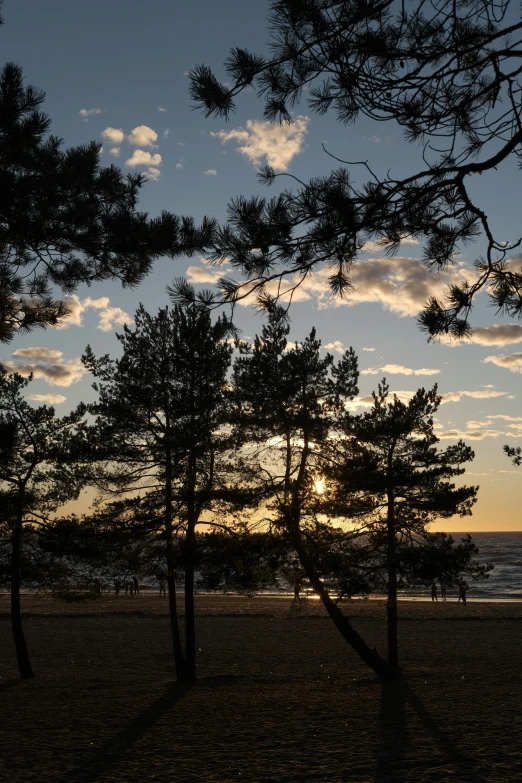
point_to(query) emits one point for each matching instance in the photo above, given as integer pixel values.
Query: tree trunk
(22, 653)
(190, 622)
(179, 660)
(369, 656)
(391, 605)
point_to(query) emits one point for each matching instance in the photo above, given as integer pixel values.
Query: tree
(390, 455)
(289, 400)
(447, 74)
(159, 437)
(64, 219)
(37, 476)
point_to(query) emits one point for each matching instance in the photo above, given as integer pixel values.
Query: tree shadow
(117, 747)
(396, 737)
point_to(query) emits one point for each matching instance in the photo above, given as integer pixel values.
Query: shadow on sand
(397, 737)
(117, 747)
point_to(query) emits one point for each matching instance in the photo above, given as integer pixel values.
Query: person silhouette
(136, 585)
(442, 590)
(462, 592)
(162, 587)
(434, 592)
(117, 586)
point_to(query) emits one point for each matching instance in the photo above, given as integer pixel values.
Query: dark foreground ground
(280, 698)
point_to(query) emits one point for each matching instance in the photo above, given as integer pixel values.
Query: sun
(319, 486)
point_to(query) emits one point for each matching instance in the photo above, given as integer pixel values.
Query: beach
(280, 696)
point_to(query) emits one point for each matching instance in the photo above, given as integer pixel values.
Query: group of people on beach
(463, 588)
(132, 586)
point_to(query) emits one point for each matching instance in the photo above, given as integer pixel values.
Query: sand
(280, 697)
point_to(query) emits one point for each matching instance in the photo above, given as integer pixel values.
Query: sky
(116, 72)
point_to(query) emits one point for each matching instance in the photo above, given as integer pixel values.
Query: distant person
(434, 592)
(117, 586)
(442, 590)
(162, 584)
(136, 585)
(131, 588)
(126, 585)
(462, 592)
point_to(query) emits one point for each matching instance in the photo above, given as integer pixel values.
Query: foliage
(447, 74)
(64, 219)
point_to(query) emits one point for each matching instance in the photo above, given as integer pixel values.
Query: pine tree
(37, 476)
(159, 437)
(447, 75)
(390, 455)
(289, 399)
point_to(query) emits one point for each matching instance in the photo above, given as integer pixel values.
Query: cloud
(210, 173)
(369, 350)
(116, 135)
(142, 136)
(55, 373)
(375, 246)
(374, 139)
(478, 434)
(200, 274)
(496, 335)
(153, 173)
(166, 133)
(336, 346)
(477, 395)
(260, 140)
(142, 158)
(504, 417)
(114, 151)
(160, 108)
(398, 369)
(512, 362)
(367, 401)
(36, 353)
(179, 166)
(181, 143)
(86, 113)
(50, 399)
(108, 315)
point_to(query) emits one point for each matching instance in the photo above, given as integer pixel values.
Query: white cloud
(153, 173)
(49, 399)
(374, 139)
(160, 108)
(496, 335)
(114, 151)
(200, 274)
(369, 350)
(142, 136)
(504, 417)
(142, 158)
(36, 353)
(210, 173)
(367, 401)
(108, 315)
(398, 369)
(181, 143)
(166, 133)
(86, 113)
(277, 144)
(336, 346)
(179, 166)
(376, 246)
(477, 395)
(55, 373)
(116, 135)
(478, 434)
(511, 362)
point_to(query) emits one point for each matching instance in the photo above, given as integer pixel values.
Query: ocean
(504, 550)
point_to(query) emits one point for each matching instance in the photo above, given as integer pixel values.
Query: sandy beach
(281, 697)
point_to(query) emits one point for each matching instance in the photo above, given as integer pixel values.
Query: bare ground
(280, 698)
